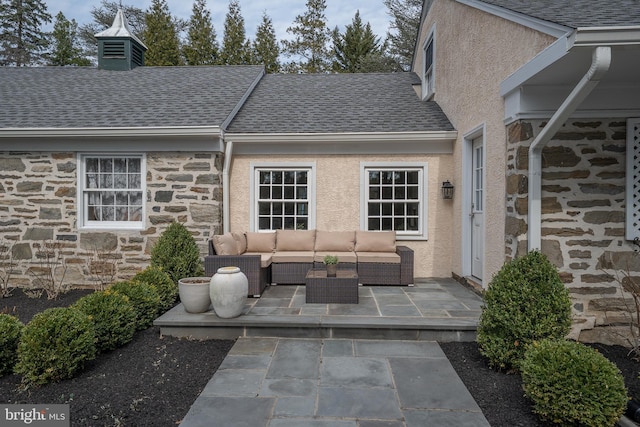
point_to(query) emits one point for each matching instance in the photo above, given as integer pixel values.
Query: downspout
(601, 60)
(228, 151)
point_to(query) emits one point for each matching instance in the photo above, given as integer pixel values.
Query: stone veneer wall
(583, 217)
(38, 203)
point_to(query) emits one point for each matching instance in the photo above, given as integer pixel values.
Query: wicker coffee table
(342, 289)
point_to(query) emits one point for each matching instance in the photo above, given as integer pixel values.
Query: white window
(633, 179)
(283, 197)
(428, 66)
(393, 198)
(111, 189)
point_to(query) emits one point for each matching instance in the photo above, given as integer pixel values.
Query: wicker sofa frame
(289, 273)
(250, 265)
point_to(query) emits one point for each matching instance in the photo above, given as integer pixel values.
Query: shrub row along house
(531, 110)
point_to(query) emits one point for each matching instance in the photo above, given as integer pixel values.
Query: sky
(282, 12)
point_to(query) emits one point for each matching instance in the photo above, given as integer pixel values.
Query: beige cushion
(378, 257)
(376, 241)
(293, 256)
(261, 242)
(265, 258)
(339, 241)
(225, 244)
(241, 240)
(295, 240)
(342, 256)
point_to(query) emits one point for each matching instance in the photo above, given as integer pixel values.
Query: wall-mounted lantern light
(447, 190)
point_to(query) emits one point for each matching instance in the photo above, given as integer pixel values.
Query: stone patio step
(432, 310)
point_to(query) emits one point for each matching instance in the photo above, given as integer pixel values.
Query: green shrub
(54, 345)
(526, 301)
(177, 253)
(10, 330)
(113, 317)
(143, 298)
(167, 289)
(572, 384)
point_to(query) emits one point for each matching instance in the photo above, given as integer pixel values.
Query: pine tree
(350, 48)
(235, 47)
(161, 36)
(406, 20)
(103, 19)
(65, 49)
(265, 46)
(201, 47)
(22, 39)
(311, 36)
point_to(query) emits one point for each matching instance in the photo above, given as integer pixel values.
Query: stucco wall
(338, 201)
(38, 202)
(475, 52)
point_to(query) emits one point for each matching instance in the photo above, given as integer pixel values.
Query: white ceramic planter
(228, 291)
(194, 294)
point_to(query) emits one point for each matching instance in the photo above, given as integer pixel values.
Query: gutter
(109, 132)
(226, 211)
(601, 60)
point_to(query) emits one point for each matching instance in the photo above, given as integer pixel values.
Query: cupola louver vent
(113, 49)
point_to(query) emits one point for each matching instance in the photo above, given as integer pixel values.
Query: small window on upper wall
(428, 66)
(111, 191)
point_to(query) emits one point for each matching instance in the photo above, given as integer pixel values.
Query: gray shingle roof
(329, 103)
(69, 97)
(577, 13)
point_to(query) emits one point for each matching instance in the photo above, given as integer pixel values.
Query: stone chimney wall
(583, 218)
(38, 203)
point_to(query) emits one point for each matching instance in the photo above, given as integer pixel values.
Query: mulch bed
(154, 380)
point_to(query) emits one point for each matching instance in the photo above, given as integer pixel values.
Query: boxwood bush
(166, 288)
(573, 385)
(177, 253)
(143, 298)
(10, 331)
(113, 317)
(54, 345)
(526, 301)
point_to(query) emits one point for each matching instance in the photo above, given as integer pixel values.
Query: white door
(477, 208)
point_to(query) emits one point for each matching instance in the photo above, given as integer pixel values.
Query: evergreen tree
(201, 47)
(235, 47)
(103, 19)
(405, 16)
(350, 48)
(65, 49)
(378, 62)
(161, 36)
(265, 46)
(311, 36)
(22, 39)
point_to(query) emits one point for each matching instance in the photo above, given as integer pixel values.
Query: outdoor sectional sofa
(285, 256)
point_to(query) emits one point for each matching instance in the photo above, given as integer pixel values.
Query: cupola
(118, 48)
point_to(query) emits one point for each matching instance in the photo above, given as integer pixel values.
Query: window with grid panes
(393, 199)
(283, 199)
(112, 190)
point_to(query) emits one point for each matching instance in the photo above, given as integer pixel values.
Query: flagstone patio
(434, 309)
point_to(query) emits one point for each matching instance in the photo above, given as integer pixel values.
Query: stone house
(101, 160)
(528, 108)
(545, 97)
